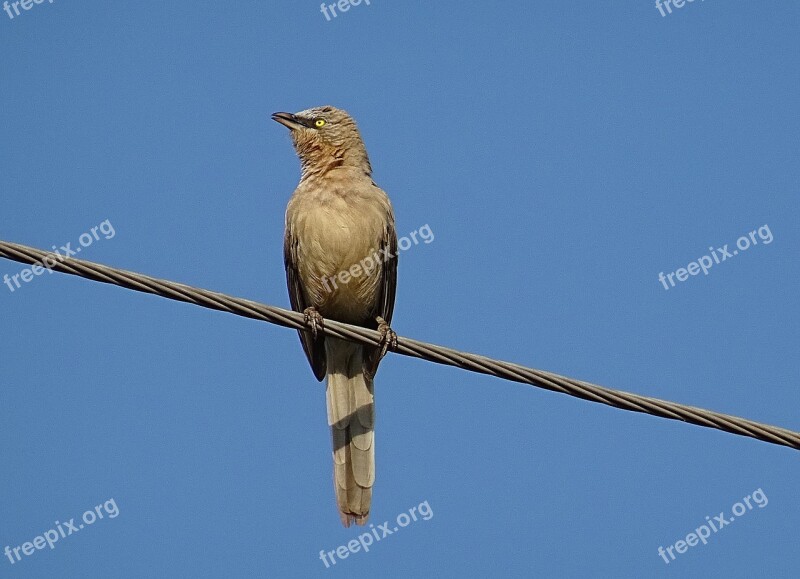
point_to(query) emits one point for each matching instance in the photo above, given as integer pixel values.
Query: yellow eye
(319, 123)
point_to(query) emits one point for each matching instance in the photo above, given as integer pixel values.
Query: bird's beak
(288, 120)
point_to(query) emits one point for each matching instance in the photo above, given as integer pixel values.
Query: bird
(340, 256)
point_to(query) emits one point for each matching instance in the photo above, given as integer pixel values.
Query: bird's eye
(319, 123)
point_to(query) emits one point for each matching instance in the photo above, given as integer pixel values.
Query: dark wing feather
(384, 305)
(314, 349)
(388, 283)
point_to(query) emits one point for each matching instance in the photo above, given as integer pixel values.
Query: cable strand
(406, 346)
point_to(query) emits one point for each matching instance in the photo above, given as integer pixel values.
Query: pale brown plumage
(336, 219)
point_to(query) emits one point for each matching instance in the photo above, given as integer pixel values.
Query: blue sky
(563, 154)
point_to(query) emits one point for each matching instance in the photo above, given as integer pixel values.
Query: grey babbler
(340, 252)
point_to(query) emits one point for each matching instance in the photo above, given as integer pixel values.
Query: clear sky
(563, 154)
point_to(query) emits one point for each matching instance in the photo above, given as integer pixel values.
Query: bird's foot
(388, 339)
(314, 320)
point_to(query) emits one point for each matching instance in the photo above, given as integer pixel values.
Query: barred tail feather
(351, 416)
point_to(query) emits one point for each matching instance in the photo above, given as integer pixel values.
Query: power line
(406, 346)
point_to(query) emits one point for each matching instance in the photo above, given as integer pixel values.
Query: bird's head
(325, 138)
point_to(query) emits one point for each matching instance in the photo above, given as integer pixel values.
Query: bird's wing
(314, 348)
(388, 282)
(384, 304)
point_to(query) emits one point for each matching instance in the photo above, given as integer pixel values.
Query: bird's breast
(339, 239)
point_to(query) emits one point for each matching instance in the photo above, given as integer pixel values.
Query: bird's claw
(314, 320)
(388, 340)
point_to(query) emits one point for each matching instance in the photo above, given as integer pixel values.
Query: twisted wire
(406, 346)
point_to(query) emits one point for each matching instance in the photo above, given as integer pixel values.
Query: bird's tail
(351, 416)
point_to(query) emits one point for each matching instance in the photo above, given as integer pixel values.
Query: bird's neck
(317, 161)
